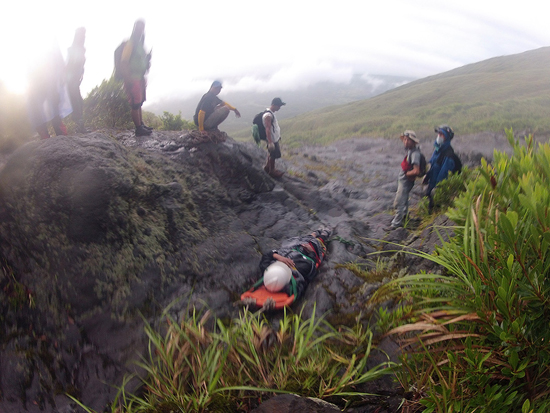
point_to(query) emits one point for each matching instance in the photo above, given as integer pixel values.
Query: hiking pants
(401, 202)
(217, 117)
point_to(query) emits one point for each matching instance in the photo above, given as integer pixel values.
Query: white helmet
(276, 276)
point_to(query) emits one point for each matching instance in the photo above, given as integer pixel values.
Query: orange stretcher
(259, 293)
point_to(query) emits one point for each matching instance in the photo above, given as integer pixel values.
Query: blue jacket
(439, 171)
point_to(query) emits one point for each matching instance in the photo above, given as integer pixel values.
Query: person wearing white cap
(410, 170)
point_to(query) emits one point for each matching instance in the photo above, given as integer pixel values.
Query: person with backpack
(211, 110)
(74, 70)
(443, 161)
(268, 129)
(412, 167)
(134, 65)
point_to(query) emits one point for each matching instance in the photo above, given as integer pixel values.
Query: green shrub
(106, 106)
(480, 336)
(175, 122)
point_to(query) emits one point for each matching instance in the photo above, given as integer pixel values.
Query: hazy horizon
(264, 47)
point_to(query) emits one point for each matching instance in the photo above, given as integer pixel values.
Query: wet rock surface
(103, 227)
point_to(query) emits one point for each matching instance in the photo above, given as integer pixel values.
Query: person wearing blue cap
(443, 161)
(211, 110)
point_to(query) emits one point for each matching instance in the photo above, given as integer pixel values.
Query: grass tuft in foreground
(192, 368)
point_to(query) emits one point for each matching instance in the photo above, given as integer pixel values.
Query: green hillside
(502, 92)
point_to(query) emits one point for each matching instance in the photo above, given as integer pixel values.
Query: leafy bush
(479, 337)
(107, 106)
(446, 192)
(175, 122)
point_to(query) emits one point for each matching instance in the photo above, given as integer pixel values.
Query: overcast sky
(277, 45)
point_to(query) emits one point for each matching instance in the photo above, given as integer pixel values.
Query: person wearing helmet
(298, 257)
(443, 161)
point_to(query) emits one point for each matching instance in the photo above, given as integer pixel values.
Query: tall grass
(200, 365)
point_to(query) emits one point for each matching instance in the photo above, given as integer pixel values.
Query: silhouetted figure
(134, 65)
(211, 110)
(47, 96)
(76, 57)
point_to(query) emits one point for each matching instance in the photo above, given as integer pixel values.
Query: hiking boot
(143, 125)
(141, 131)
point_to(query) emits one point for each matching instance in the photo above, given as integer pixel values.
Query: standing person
(273, 136)
(134, 65)
(47, 96)
(410, 170)
(211, 110)
(443, 161)
(76, 57)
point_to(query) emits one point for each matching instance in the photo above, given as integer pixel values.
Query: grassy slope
(502, 92)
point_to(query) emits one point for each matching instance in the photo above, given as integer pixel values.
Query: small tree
(175, 122)
(107, 106)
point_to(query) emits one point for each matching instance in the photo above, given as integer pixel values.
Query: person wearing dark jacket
(442, 162)
(303, 255)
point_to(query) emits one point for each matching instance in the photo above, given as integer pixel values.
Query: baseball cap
(411, 135)
(216, 83)
(278, 102)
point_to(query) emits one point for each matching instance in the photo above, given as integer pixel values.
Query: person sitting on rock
(288, 271)
(410, 170)
(211, 110)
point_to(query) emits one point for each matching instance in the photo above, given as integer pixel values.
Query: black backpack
(423, 165)
(258, 128)
(118, 58)
(450, 153)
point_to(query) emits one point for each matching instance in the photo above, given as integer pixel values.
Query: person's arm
(234, 109)
(284, 260)
(201, 116)
(268, 124)
(413, 173)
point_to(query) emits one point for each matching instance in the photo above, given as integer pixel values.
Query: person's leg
(58, 126)
(275, 154)
(267, 166)
(73, 88)
(135, 92)
(401, 202)
(216, 118)
(43, 131)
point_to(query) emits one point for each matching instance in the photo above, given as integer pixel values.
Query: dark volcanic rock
(103, 227)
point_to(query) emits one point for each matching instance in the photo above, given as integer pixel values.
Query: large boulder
(105, 230)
